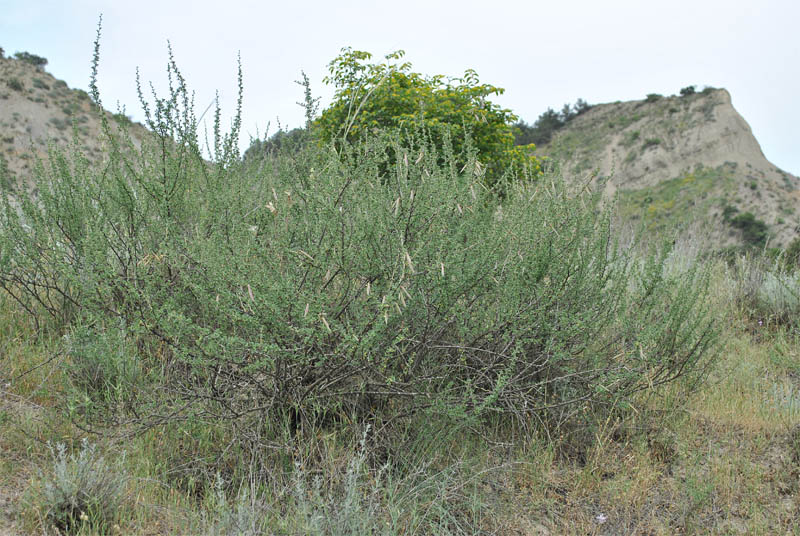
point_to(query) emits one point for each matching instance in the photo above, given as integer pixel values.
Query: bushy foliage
(101, 367)
(371, 277)
(651, 142)
(688, 90)
(32, 59)
(754, 231)
(7, 179)
(548, 123)
(292, 142)
(373, 96)
(80, 491)
(15, 84)
(653, 97)
(766, 290)
(792, 254)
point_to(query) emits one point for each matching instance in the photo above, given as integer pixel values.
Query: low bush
(80, 492)
(38, 83)
(33, 59)
(102, 368)
(767, 291)
(754, 231)
(650, 142)
(15, 84)
(792, 255)
(653, 97)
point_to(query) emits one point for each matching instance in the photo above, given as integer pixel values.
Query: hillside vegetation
(37, 110)
(643, 150)
(367, 336)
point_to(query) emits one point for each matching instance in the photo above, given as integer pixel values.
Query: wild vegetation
(550, 121)
(363, 335)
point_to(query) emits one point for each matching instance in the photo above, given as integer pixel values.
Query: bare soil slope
(679, 162)
(37, 109)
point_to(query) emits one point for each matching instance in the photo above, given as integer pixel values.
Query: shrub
(101, 367)
(653, 97)
(548, 123)
(15, 84)
(754, 231)
(370, 97)
(728, 211)
(7, 179)
(792, 255)
(688, 90)
(80, 491)
(292, 142)
(312, 287)
(767, 291)
(40, 84)
(32, 59)
(650, 142)
(630, 138)
(123, 118)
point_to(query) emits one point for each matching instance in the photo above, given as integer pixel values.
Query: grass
(675, 203)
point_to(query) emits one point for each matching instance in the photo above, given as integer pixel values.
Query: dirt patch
(8, 504)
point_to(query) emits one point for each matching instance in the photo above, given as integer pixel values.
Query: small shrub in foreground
(79, 491)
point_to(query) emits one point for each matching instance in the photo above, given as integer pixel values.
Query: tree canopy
(373, 96)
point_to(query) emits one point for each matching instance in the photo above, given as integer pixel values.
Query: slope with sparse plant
(680, 162)
(37, 110)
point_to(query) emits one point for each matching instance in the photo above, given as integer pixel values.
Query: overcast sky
(543, 53)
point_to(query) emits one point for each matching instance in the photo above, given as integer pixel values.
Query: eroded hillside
(689, 161)
(37, 109)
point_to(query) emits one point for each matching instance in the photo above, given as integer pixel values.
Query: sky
(544, 54)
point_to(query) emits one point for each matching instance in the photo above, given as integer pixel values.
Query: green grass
(677, 202)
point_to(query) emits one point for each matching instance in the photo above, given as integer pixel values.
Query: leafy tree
(548, 123)
(754, 231)
(291, 141)
(688, 90)
(33, 59)
(373, 96)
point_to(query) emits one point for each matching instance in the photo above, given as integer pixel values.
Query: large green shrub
(370, 278)
(754, 231)
(375, 96)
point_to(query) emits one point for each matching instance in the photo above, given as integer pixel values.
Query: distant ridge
(690, 162)
(37, 109)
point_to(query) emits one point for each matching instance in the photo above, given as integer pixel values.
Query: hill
(37, 109)
(690, 162)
